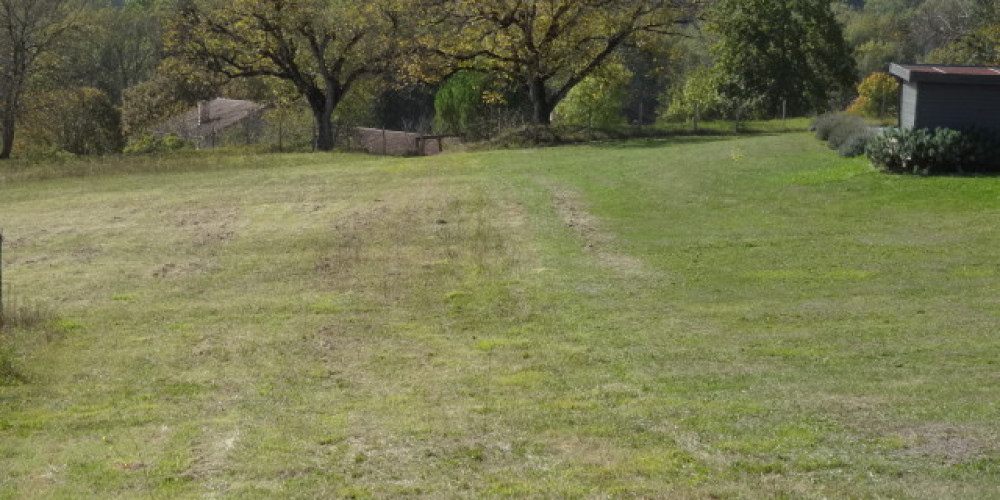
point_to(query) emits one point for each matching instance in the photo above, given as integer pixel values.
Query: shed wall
(955, 106)
(907, 104)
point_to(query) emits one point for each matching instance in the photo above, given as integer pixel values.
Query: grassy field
(711, 317)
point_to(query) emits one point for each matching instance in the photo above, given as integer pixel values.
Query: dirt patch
(209, 225)
(175, 270)
(308, 207)
(417, 233)
(16, 242)
(212, 455)
(587, 227)
(945, 443)
(86, 254)
(950, 444)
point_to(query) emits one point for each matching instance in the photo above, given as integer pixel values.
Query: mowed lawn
(715, 317)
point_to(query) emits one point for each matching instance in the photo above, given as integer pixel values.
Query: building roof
(938, 73)
(213, 117)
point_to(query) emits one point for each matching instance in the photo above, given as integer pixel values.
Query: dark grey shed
(958, 97)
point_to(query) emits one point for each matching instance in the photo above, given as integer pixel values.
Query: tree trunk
(7, 125)
(324, 126)
(542, 107)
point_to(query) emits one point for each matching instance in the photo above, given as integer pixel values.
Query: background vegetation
(385, 63)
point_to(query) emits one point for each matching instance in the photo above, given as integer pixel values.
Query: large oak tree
(322, 47)
(546, 46)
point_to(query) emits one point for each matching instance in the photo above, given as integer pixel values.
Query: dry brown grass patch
(950, 444)
(209, 225)
(418, 236)
(595, 240)
(191, 268)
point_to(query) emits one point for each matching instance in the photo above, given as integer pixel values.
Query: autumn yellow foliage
(878, 96)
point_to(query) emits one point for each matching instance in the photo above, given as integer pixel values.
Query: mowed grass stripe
(717, 316)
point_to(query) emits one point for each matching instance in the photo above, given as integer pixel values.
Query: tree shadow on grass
(673, 139)
(616, 137)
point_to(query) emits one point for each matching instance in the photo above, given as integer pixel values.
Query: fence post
(784, 114)
(1, 279)
(281, 120)
(695, 116)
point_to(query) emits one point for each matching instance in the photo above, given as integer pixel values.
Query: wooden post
(784, 108)
(696, 116)
(385, 144)
(204, 112)
(281, 120)
(1, 279)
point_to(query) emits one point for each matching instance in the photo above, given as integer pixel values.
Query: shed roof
(936, 73)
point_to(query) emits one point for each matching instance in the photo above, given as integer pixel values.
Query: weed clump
(9, 373)
(15, 314)
(15, 317)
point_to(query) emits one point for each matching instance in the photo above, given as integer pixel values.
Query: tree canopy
(772, 52)
(322, 47)
(919, 31)
(546, 46)
(29, 29)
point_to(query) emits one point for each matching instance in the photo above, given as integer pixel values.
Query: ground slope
(728, 317)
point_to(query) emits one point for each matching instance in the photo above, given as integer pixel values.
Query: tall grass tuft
(9, 373)
(22, 316)
(15, 316)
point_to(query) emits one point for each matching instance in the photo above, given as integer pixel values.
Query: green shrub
(151, 143)
(145, 143)
(856, 143)
(846, 133)
(934, 152)
(47, 155)
(171, 142)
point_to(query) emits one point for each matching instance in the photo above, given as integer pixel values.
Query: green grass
(690, 317)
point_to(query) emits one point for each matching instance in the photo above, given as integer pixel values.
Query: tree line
(83, 75)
